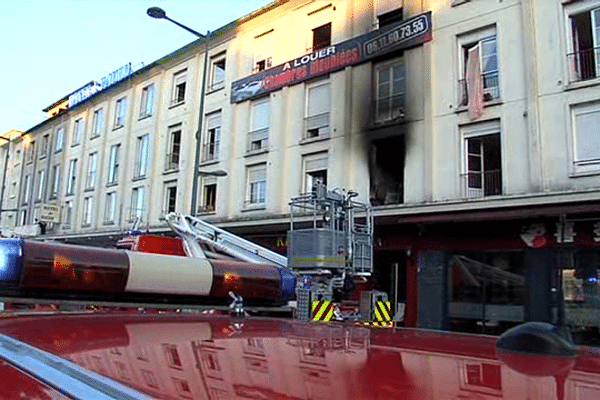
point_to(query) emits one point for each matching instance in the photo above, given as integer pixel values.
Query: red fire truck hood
(202, 356)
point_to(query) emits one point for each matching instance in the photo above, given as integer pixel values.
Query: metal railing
(584, 65)
(210, 151)
(491, 88)
(172, 161)
(390, 108)
(483, 183)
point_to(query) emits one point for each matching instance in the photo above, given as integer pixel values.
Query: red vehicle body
(201, 356)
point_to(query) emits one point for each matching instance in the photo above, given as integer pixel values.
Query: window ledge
(143, 117)
(89, 189)
(486, 104)
(459, 2)
(314, 139)
(583, 171)
(170, 171)
(175, 105)
(112, 184)
(206, 212)
(94, 136)
(138, 178)
(75, 144)
(255, 152)
(209, 162)
(86, 225)
(258, 207)
(117, 127)
(583, 84)
(108, 223)
(215, 89)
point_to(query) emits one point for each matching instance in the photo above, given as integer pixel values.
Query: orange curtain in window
(474, 84)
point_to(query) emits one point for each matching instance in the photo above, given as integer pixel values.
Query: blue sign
(94, 87)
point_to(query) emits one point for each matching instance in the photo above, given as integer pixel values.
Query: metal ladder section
(192, 230)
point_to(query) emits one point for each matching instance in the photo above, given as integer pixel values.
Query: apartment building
(470, 127)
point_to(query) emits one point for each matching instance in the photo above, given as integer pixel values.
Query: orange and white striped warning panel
(322, 310)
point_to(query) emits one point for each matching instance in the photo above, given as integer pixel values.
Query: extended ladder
(192, 230)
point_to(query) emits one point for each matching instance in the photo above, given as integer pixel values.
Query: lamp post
(4, 178)
(159, 13)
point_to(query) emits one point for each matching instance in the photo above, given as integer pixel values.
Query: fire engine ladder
(193, 230)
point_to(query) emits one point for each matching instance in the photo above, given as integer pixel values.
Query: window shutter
(587, 140)
(318, 100)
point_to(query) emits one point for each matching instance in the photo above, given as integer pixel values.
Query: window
(209, 194)
(257, 184)
(40, 186)
(68, 214)
(30, 155)
(23, 218)
(173, 152)
(77, 131)
(259, 125)
(55, 181)
(262, 64)
(211, 138)
(391, 92)
(179, 82)
(217, 72)
(110, 207)
(321, 36)
(71, 177)
(147, 101)
(317, 111)
(482, 160)
(263, 48)
(59, 140)
(390, 17)
(26, 189)
(44, 146)
(98, 122)
(35, 216)
(113, 164)
(482, 46)
(90, 181)
(585, 143)
(170, 197)
(120, 108)
(315, 169)
(137, 204)
(141, 156)
(88, 206)
(584, 48)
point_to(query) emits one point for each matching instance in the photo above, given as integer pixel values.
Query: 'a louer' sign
(399, 36)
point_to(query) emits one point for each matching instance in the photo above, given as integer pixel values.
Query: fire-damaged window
(584, 55)
(387, 171)
(482, 174)
(321, 36)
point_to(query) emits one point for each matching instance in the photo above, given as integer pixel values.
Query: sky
(49, 49)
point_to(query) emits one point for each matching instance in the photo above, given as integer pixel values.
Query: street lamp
(159, 13)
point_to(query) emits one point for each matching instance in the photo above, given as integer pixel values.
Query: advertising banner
(402, 35)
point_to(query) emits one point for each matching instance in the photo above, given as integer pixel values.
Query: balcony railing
(210, 151)
(483, 183)
(584, 65)
(257, 140)
(491, 88)
(172, 161)
(317, 126)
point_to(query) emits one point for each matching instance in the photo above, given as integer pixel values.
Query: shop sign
(50, 213)
(402, 35)
(94, 87)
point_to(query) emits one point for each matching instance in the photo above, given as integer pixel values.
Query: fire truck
(325, 276)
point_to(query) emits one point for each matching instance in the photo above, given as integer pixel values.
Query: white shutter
(319, 100)
(595, 16)
(587, 135)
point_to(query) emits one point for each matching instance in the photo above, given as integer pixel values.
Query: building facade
(470, 126)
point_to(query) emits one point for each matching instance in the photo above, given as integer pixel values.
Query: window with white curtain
(256, 176)
(318, 106)
(259, 125)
